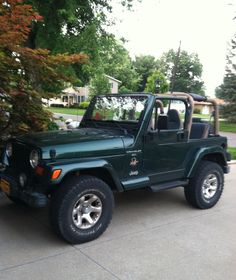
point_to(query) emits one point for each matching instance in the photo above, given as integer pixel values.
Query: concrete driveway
(152, 236)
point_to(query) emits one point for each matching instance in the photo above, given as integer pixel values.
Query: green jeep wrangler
(124, 142)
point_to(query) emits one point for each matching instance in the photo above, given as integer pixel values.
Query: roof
(112, 78)
(220, 101)
(70, 90)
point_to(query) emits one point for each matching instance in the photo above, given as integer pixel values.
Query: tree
(99, 85)
(74, 26)
(144, 65)
(63, 19)
(227, 90)
(116, 62)
(188, 71)
(26, 75)
(157, 79)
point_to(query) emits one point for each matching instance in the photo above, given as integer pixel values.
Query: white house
(114, 84)
(73, 95)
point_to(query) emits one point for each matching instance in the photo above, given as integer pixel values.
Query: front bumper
(10, 186)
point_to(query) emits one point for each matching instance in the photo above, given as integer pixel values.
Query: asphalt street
(152, 236)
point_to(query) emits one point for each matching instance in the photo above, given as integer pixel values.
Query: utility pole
(175, 67)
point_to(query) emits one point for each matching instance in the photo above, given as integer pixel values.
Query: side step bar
(169, 185)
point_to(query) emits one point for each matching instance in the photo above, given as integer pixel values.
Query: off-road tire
(194, 192)
(63, 203)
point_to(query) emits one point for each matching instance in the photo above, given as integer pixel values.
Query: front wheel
(81, 209)
(205, 188)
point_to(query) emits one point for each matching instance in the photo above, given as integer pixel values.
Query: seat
(199, 130)
(162, 122)
(174, 121)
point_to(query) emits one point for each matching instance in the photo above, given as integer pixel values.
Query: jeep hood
(81, 142)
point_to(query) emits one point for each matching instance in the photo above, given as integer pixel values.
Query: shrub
(56, 105)
(197, 111)
(84, 105)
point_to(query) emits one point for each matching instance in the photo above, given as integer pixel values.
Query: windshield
(117, 108)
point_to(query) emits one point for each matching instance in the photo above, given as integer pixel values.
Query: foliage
(144, 65)
(65, 19)
(123, 89)
(188, 71)
(117, 63)
(27, 75)
(227, 90)
(75, 26)
(157, 77)
(84, 105)
(197, 111)
(99, 85)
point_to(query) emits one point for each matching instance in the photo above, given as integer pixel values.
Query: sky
(204, 27)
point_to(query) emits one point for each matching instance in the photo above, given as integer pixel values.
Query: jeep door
(166, 143)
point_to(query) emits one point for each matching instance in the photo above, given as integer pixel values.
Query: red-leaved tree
(26, 75)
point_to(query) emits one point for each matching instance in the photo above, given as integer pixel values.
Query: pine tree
(227, 90)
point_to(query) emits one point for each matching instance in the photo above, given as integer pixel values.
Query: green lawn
(233, 152)
(227, 127)
(69, 111)
(201, 116)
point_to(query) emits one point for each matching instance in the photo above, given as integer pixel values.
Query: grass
(232, 151)
(69, 111)
(227, 127)
(201, 116)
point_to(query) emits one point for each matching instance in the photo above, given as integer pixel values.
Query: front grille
(19, 161)
(20, 156)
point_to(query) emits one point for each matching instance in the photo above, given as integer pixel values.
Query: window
(168, 115)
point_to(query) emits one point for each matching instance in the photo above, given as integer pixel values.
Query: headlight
(34, 158)
(9, 150)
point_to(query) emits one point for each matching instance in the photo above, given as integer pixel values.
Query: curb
(232, 162)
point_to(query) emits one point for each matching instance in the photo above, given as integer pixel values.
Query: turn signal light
(55, 174)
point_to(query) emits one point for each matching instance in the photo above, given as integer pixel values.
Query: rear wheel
(81, 209)
(205, 188)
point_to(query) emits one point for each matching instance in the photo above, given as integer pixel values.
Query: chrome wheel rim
(87, 211)
(209, 186)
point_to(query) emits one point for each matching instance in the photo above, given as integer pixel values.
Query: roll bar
(193, 99)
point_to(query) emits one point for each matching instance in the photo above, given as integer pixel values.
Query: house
(114, 84)
(76, 95)
(207, 108)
